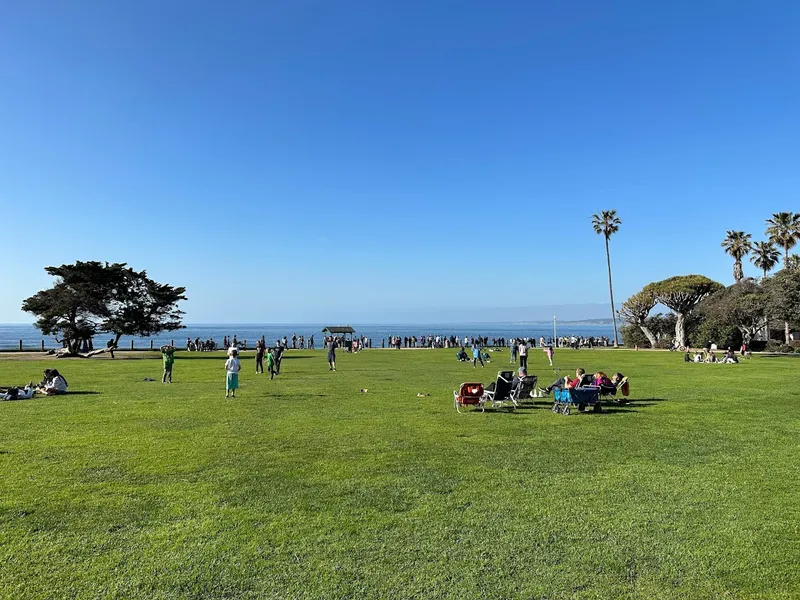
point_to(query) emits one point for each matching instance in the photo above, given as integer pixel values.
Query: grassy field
(304, 487)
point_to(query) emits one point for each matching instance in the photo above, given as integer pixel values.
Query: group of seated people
(709, 356)
(462, 355)
(52, 384)
(608, 386)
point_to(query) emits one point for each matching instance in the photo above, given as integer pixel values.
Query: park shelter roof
(331, 329)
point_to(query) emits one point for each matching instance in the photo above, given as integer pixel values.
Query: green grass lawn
(303, 487)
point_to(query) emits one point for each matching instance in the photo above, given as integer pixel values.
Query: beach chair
(622, 387)
(469, 394)
(501, 391)
(523, 389)
(565, 399)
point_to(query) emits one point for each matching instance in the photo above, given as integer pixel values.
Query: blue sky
(307, 161)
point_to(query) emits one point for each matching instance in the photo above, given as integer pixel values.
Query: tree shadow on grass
(781, 355)
(81, 393)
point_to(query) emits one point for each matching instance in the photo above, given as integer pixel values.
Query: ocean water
(10, 335)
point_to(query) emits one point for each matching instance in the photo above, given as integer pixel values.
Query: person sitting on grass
(729, 358)
(462, 355)
(15, 393)
(53, 384)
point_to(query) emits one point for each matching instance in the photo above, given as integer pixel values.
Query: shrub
(785, 349)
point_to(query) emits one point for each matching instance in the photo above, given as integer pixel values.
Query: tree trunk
(680, 330)
(74, 346)
(786, 331)
(611, 294)
(649, 334)
(738, 271)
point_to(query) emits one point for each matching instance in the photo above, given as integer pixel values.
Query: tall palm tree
(765, 256)
(607, 224)
(737, 244)
(783, 230)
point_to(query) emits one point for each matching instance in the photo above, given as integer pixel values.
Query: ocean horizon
(12, 333)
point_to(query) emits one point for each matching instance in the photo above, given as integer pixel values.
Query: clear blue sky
(309, 160)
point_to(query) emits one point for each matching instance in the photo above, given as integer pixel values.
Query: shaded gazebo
(344, 330)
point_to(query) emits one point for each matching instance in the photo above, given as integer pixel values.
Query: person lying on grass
(16, 393)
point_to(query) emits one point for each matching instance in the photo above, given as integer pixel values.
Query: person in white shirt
(53, 384)
(523, 355)
(14, 393)
(232, 368)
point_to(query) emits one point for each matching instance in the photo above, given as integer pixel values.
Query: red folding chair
(469, 394)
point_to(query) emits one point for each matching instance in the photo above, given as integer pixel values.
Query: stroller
(469, 394)
(566, 398)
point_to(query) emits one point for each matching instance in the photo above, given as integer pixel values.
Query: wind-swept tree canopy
(741, 305)
(681, 294)
(635, 311)
(92, 297)
(783, 297)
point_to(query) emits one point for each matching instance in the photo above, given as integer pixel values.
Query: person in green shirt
(271, 363)
(168, 356)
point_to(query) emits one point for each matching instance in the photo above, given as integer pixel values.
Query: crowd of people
(708, 355)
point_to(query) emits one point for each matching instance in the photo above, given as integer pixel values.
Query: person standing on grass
(513, 352)
(332, 354)
(523, 355)
(232, 368)
(278, 358)
(260, 349)
(548, 350)
(168, 356)
(476, 355)
(271, 363)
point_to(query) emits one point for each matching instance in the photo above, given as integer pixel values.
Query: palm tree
(607, 224)
(765, 256)
(737, 244)
(783, 230)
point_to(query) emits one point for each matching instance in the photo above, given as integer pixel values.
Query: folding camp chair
(469, 394)
(523, 389)
(501, 391)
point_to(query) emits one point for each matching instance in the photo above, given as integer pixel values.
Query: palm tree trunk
(786, 323)
(611, 294)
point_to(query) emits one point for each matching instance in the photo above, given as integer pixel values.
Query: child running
(232, 367)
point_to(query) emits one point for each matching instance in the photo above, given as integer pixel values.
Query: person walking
(232, 368)
(332, 354)
(260, 349)
(271, 363)
(548, 350)
(168, 356)
(523, 355)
